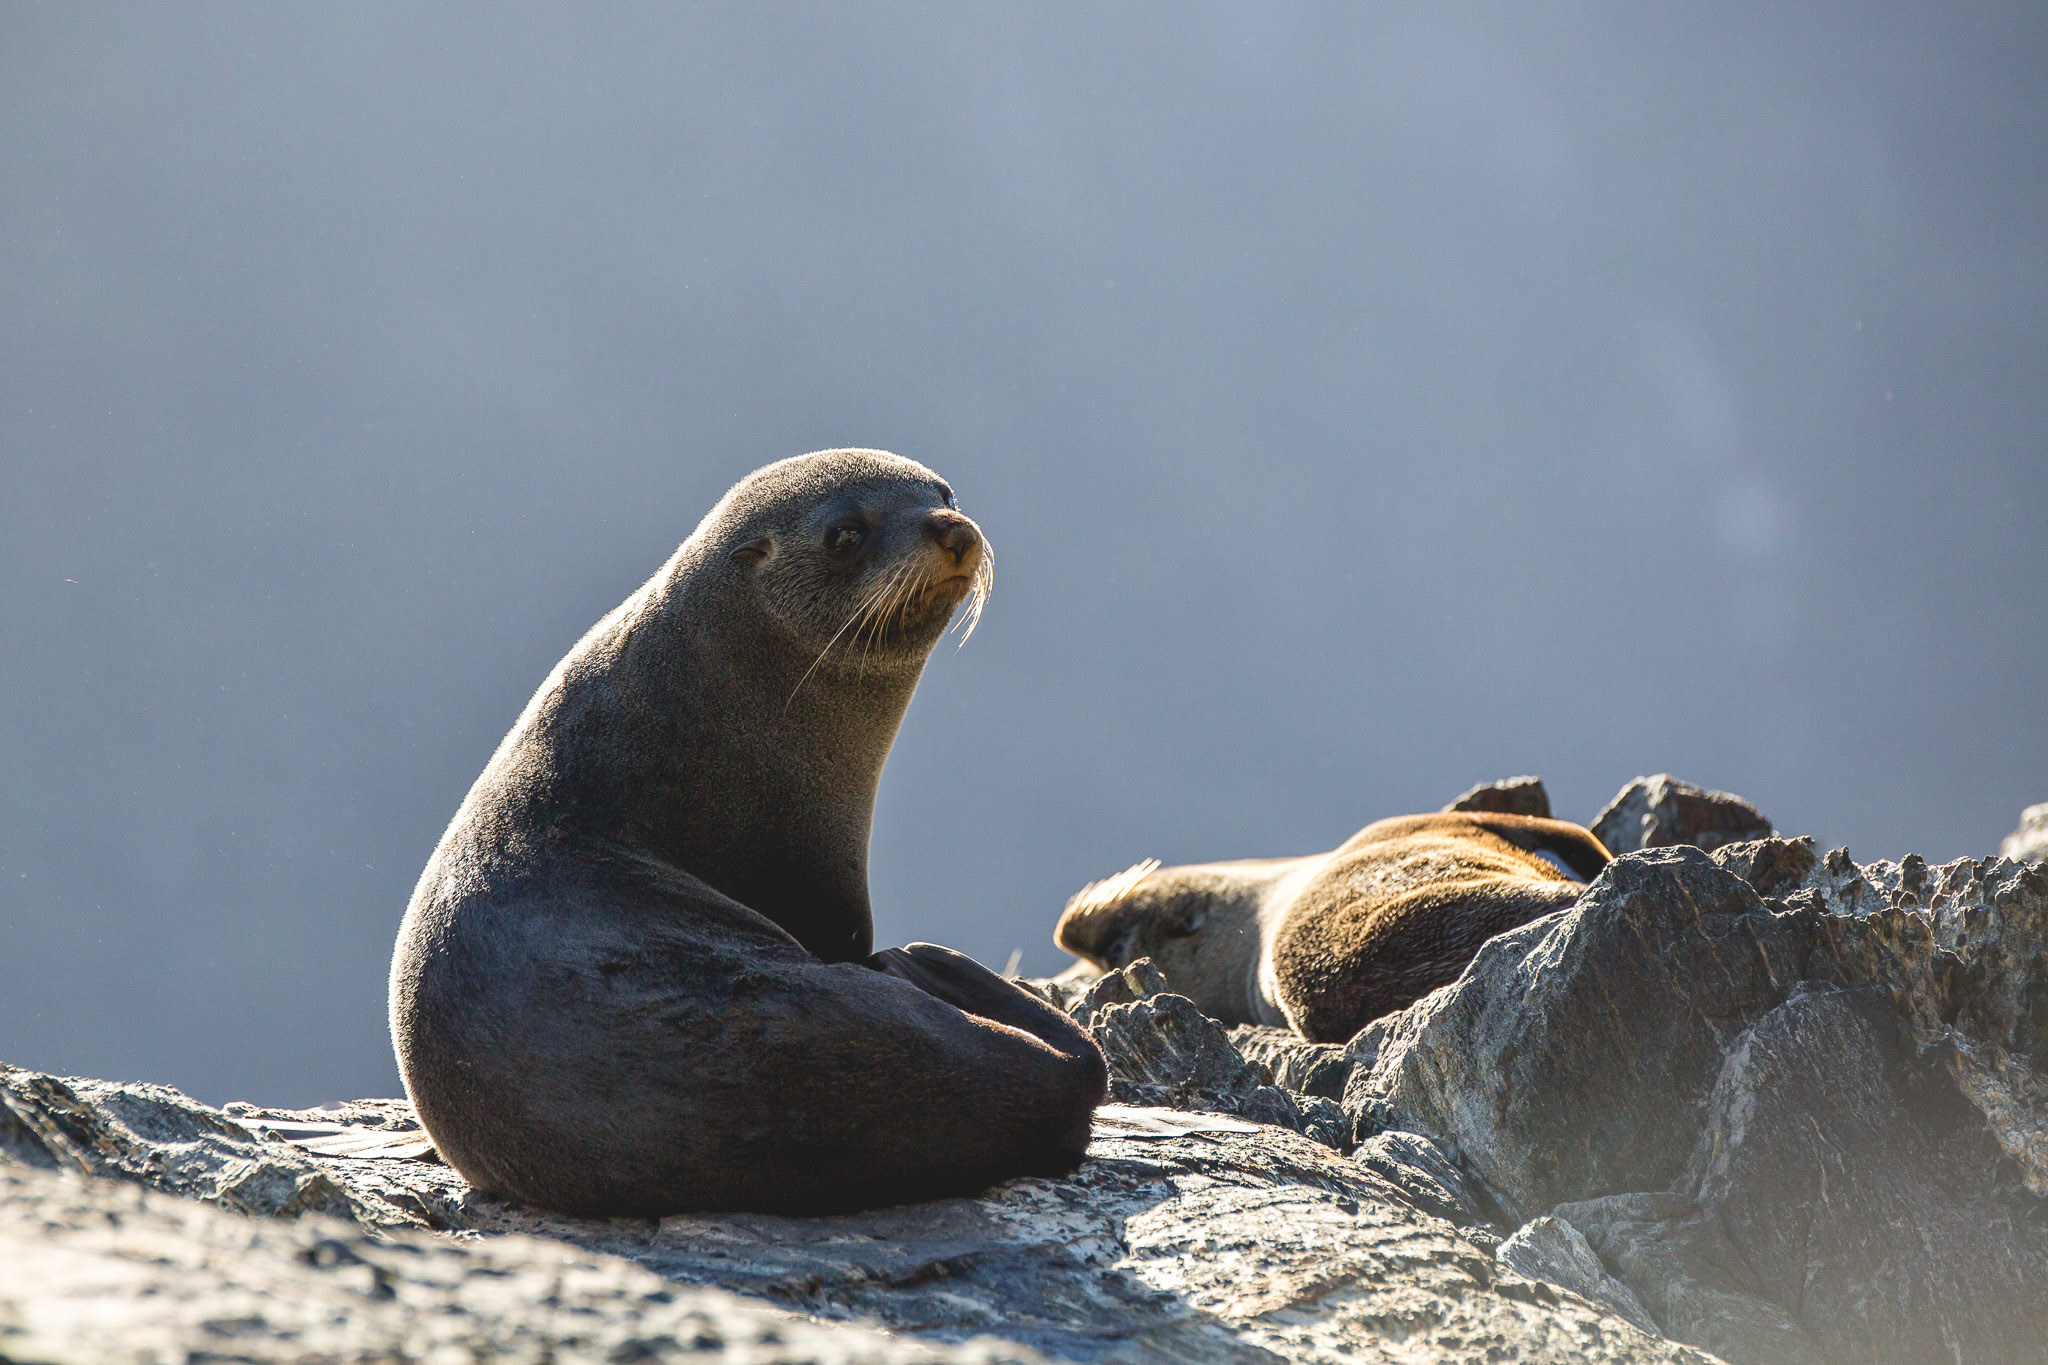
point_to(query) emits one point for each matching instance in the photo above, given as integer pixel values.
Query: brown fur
(1327, 943)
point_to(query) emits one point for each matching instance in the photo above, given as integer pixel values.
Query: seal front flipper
(966, 985)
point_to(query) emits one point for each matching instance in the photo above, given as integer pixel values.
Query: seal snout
(954, 534)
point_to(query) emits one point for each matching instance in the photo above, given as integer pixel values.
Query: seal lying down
(637, 976)
(1327, 943)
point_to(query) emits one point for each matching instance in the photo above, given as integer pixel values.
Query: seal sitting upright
(1328, 943)
(635, 977)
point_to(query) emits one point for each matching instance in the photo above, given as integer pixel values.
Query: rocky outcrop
(99, 1272)
(1798, 1129)
(1760, 1101)
(2028, 843)
(1661, 812)
(1209, 1247)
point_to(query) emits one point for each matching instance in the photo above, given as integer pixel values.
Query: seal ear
(753, 552)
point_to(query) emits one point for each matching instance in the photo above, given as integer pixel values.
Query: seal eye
(947, 493)
(844, 540)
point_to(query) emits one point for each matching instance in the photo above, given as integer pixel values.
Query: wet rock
(2028, 843)
(1554, 1251)
(1661, 811)
(1509, 796)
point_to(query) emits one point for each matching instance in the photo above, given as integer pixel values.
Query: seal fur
(637, 976)
(1325, 944)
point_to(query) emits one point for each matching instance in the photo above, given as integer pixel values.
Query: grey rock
(1773, 867)
(1765, 1117)
(1661, 811)
(1690, 1275)
(1961, 952)
(2028, 843)
(1552, 1250)
(1292, 1062)
(1913, 1238)
(1120, 987)
(1574, 1056)
(1162, 1050)
(1428, 1179)
(112, 1274)
(152, 1132)
(1509, 796)
(1211, 1248)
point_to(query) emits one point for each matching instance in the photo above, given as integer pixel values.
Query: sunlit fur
(1323, 944)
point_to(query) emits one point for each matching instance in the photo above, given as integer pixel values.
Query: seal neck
(680, 737)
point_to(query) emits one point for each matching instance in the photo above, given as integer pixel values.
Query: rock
(1120, 987)
(1908, 1243)
(1554, 1251)
(1210, 1248)
(1162, 1050)
(1764, 1117)
(1428, 1179)
(1961, 953)
(1509, 796)
(2028, 843)
(1688, 1273)
(1776, 1104)
(1574, 1056)
(155, 1133)
(1661, 811)
(109, 1273)
(1292, 1062)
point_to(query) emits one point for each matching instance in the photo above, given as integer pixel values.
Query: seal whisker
(881, 612)
(859, 609)
(977, 597)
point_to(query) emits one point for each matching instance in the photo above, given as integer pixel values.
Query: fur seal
(1327, 943)
(636, 976)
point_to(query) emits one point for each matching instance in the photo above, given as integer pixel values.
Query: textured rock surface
(1661, 811)
(1773, 1103)
(102, 1273)
(1509, 796)
(1227, 1247)
(2028, 843)
(1551, 1249)
(1163, 1051)
(1800, 1129)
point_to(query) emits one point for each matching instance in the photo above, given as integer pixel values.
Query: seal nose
(952, 533)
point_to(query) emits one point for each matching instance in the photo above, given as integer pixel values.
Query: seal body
(637, 976)
(1327, 943)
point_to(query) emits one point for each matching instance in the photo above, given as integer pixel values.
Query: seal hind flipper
(1576, 846)
(734, 1070)
(968, 986)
